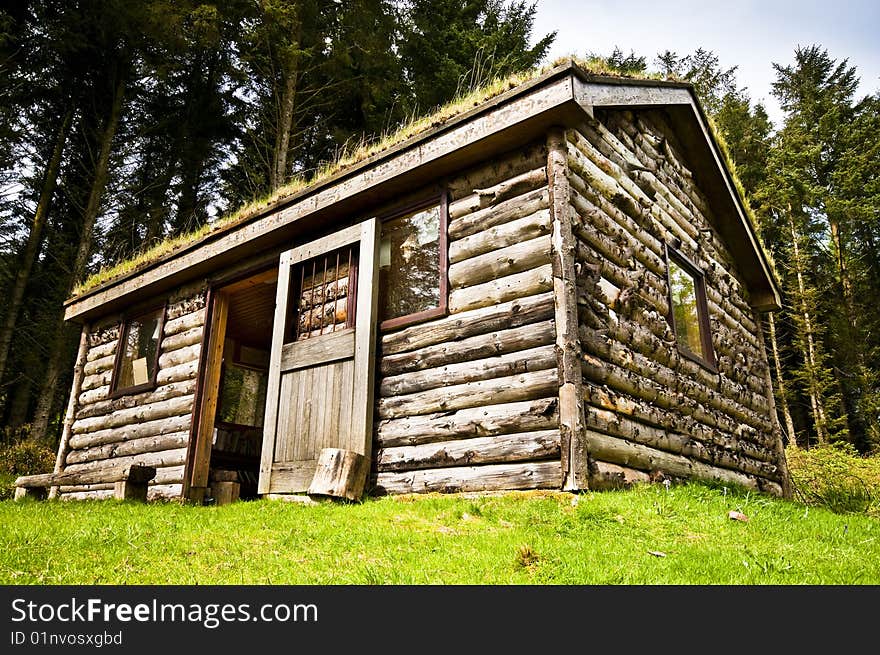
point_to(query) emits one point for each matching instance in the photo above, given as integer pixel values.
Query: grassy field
(647, 535)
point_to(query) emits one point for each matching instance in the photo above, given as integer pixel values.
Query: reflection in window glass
(685, 312)
(409, 264)
(138, 364)
(242, 396)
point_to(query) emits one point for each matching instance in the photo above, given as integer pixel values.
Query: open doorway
(235, 379)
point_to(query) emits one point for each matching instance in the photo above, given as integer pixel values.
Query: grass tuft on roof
(366, 148)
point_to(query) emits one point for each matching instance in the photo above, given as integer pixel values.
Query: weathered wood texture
(648, 408)
(149, 428)
(470, 401)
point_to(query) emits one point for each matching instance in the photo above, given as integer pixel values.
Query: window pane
(242, 396)
(139, 357)
(685, 310)
(409, 264)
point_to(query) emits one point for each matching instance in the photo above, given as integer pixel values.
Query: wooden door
(322, 363)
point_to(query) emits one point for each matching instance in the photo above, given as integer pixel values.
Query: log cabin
(557, 287)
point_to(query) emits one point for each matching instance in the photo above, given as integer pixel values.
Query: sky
(748, 34)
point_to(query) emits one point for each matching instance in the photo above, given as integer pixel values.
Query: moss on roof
(366, 149)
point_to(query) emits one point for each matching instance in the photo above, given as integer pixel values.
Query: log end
(339, 474)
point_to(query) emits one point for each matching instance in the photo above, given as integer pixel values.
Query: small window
(412, 266)
(137, 357)
(689, 311)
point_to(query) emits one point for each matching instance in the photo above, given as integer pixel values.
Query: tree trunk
(287, 104)
(780, 383)
(32, 247)
(56, 360)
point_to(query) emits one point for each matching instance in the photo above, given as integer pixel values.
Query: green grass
(647, 535)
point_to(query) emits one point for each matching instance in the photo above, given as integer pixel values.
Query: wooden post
(339, 474)
(225, 492)
(210, 395)
(270, 422)
(572, 424)
(79, 366)
(778, 447)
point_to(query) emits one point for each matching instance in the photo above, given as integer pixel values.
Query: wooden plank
(489, 477)
(321, 349)
(270, 422)
(67, 426)
(325, 244)
(210, 392)
(575, 463)
(365, 339)
(286, 416)
(292, 476)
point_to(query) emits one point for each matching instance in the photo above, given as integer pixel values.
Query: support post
(70, 414)
(572, 423)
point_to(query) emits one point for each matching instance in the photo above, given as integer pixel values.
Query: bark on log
(625, 453)
(174, 457)
(103, 350)
(477, 347)
(164, 409)
(503, 212)
(179, 373)
(97, 366)
(485, 421)
(165, 392)
(184, 323)
(131, 432)
(523, 361)
(513, 314)
(164, 492)
(522, 446)
(526, 386)
(489, 477)
(96, 381)
(500, 263)
(605, 475)
(182, 339)
(189, 305)
(131, 447)
(501, 236)
(519, 285)
(180, 356)
(514, 186)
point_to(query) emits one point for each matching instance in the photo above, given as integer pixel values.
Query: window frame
(707, 357)
(124, 325)
(442, 200)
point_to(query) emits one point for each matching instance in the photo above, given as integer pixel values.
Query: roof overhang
(559, 97)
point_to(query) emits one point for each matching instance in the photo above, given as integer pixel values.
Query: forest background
(125, 123)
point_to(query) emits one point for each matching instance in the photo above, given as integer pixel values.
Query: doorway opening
(233, 415)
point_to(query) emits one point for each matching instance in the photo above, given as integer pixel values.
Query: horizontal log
(153, 444)
(526, 386)
(100, 494)
(179, 373)
(523, 361)
(164, 475)
(192, 303)
(184, 322)
(498, 169)
(100, 351)
(717, 452)
(180, 356)
(117, 472)
(182, 339)
(605, 475)
(522, 446)
(501, 236)
(96, 381)
(489, 477)
(165, 392)
(99, 365)
(163, 409)
(677, 418)
(162, 492)
(102, 335)
(512, 187)
(638, 456)
(503, 212)
(503, 289)
(174, 457)
(515, 313)
(499, 263)
(484, 421)
(477, 347)
(94, 395)
(130, 432)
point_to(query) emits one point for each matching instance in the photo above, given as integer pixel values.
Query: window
(689, 315)
(137, 357)
(412, 266)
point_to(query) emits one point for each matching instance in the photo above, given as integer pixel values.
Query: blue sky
(749, 34)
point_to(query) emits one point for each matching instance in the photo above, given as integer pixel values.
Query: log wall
(648, 409)
(151, 427)
(469, 402)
